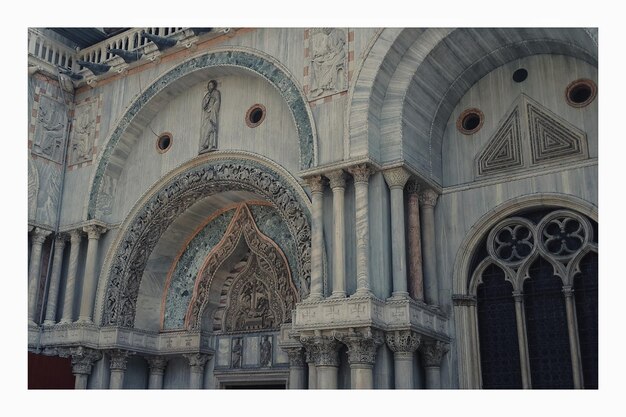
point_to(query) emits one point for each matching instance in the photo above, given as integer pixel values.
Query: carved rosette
(316, 184)
(157, 364)
(361, 348)
(83, 359)
(324, 349)
(296, 357)
(361, 173)
(337, 179)
(396, 177)
(197, 361)
(94, 231)
(118, 359)
(432, 353)
(428, 198)
(403, 341)
(166, 205)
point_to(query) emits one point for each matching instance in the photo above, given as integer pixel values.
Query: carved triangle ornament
(504, 149)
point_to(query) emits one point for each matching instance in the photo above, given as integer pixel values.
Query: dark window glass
(586, 296)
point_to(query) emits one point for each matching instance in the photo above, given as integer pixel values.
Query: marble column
(403, 344)
(309, 354)
(197, 361)
(521, 339)
(428, 199)
(416, 280)
(361, 357)
(157, 366)
(338, 185)
(53, 291)
(117, 364)
(82, 362)
(572, 330)
(90, 282)
(297, 368)
(317, 237)
(70, 284)
(432, 353)
(396, 178)
(361, 174)
(34, 271)
(325, 352)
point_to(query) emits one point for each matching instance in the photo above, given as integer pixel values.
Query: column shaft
(68, 301)
(317, 237)
(116, 380)
(80, 381)
(53, 292)
(157, 366)
(521, 339)
(416, 280)
(428, 199)
(362, 376)
(403, 370)
(327, 377)
(91, 275)
(361, 175)
(312, 376)
(337, 183)
(573, 338)
(433, 377)
(155, 380)
(34, 270)
(297, 377)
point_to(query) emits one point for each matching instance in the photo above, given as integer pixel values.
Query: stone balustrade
(48, 53)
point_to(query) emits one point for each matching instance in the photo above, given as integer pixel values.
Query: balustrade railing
(49, 51)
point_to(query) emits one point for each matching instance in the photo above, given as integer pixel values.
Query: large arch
(173, 82)
(173, 195)
(414, 78)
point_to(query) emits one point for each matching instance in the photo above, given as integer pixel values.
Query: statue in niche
(266, 351)
(211, 107)
(327, 60)
(51, 132)
(83, 132)
(236, 353)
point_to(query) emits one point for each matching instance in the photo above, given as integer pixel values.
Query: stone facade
(339, 226)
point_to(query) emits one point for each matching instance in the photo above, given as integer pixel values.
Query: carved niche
(83, 133)
(50, 129)
(328, 65)
(261, 296)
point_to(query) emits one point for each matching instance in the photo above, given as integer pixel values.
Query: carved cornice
(361, 173)
(432, 353)
(316, 184)
(337, 179)
(118, 359)
(396, 177)
(94, 231)
(40, 235)
(428, 198)
(362, 347)
(405, 341)
(157, 364)
(197, 361)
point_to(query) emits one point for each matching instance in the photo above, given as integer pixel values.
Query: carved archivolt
(145, 230)
(262, 296)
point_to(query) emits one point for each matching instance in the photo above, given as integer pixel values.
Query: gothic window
(535, 278)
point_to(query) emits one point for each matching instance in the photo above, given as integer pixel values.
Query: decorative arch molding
(410, 83)
(282, 295)
(176, 192)
(490, 219)
(244, 58)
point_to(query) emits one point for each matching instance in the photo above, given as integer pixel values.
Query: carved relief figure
(50, 130)
(236, 353)
(84, 131)
(327, 60)
(266, 351)
(211, 107)
(253, 307)
(33, 189)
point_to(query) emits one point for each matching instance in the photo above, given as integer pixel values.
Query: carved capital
(83, 359)
(93, 231)
(518, 296)
(405, 341)
(396, 177)
(316, 183)
(361, 347)
(40, 235)
(428, 198)
(118, 359)
(568, 291)
(75, 236)
(60, 240)
(197, 361)
(337, 179)
(296, 357)
(463, 300)
(324, 350)
(432, 353)
(361, 173)
(413, 187)
(157, 364)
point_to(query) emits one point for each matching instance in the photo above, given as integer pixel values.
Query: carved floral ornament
(561, 237)
(150, 222)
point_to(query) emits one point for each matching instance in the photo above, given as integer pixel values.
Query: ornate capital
(197, 361)
(405, 341)
(428, 197)
(568, 291)
(296, 358)
(75, 236)
(60, 239)
(316, 183)
(361, 172)
(413, 186)
(324, 350)
(83, 359)
(157, 364)
(361, 347)
(396, 177)
(40, 235)
(463, 300)
(432, 353)
(118, 359)
(337, 179)
(93, 231)
(518, 296)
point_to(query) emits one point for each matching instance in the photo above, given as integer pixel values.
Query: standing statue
(266, 351)
(236, 353)
(327, 61)
(211, 107)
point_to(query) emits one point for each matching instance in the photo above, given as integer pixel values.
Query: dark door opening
(255, 386)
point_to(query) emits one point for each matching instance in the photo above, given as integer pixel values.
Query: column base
(398, 296)
(314, 297)
(32, 324)
(65, 321)
(363, 292)
(84, 320)
(337, 295)
(48, 323)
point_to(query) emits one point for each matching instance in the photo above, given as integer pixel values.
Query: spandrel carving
(328, 64)
(50, 130)
(83, 134)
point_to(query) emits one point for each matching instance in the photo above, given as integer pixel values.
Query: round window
(581, 92)
(470, 121)
(164, 142)
(255, 115)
